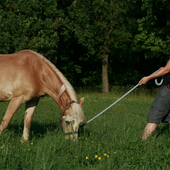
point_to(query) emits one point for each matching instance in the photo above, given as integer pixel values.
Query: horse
(27, 76)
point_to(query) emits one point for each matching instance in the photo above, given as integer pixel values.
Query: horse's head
(72, 117)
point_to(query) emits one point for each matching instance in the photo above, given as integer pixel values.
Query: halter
(65, 110)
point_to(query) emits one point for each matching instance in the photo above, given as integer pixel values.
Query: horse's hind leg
(14, 104)
(29, 111)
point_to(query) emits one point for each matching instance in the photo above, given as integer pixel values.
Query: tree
(100, 26)
(154, 29)
(29, 25)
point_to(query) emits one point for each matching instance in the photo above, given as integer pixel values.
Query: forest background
(94, 43)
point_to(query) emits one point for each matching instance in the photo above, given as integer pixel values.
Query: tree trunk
(105, 74)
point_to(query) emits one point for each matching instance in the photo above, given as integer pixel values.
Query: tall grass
(111, 141)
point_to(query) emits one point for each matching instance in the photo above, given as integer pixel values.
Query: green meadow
(111, 141)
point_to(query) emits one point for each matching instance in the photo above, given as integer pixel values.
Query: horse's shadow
(40, 129)
(36, 129)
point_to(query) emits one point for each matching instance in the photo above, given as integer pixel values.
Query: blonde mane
(61, 91)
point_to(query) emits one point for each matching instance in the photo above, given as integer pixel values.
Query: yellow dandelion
(96, 156)
(21, 141)
(91, 141)
(28, 149)
(87, 157)
(75, 156)
(90, 133)
(105, 154)
(27, 145)
(31, 143)
(99, 158)
(80, 146)
(86, 138)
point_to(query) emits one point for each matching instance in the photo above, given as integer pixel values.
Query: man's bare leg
(149, 130)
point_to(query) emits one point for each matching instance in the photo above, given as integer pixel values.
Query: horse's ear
(81, 101)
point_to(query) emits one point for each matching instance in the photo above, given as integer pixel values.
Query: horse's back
(12, 66)
(20, 58)
(19, 73)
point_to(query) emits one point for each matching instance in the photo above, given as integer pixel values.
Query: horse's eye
(67, 122)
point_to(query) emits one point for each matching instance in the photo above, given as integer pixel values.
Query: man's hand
(144, 80)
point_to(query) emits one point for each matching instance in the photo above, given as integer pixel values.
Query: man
(160, 109)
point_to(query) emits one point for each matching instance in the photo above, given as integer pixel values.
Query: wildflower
(27, 145)
(105, 143)
(99, 158)
(80, 146)
(28, 149)
(105, 154)
(21, 141)
(125, 165)
(114, 152)
(31, 143)
(87, 157)
(101, 166)
(86, 138)
(90, 133)
(75, 156)
(91, 141)
(96, 156)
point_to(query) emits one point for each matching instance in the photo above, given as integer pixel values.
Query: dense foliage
(129, 39)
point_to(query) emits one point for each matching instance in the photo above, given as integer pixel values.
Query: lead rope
(158, 84)
(117, 101)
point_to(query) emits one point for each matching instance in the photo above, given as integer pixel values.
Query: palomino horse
(25, 77)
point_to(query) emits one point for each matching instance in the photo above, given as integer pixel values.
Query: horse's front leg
(29, 111)
(14, 104)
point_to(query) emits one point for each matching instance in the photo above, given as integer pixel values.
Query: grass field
(112, 141)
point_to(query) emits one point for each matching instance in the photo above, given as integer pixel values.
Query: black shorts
(160, 108)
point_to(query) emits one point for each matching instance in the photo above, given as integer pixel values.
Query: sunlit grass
(111, 141)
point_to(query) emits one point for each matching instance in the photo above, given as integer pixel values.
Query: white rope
(115, 102)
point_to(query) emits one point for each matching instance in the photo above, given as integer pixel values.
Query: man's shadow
(165, 129)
